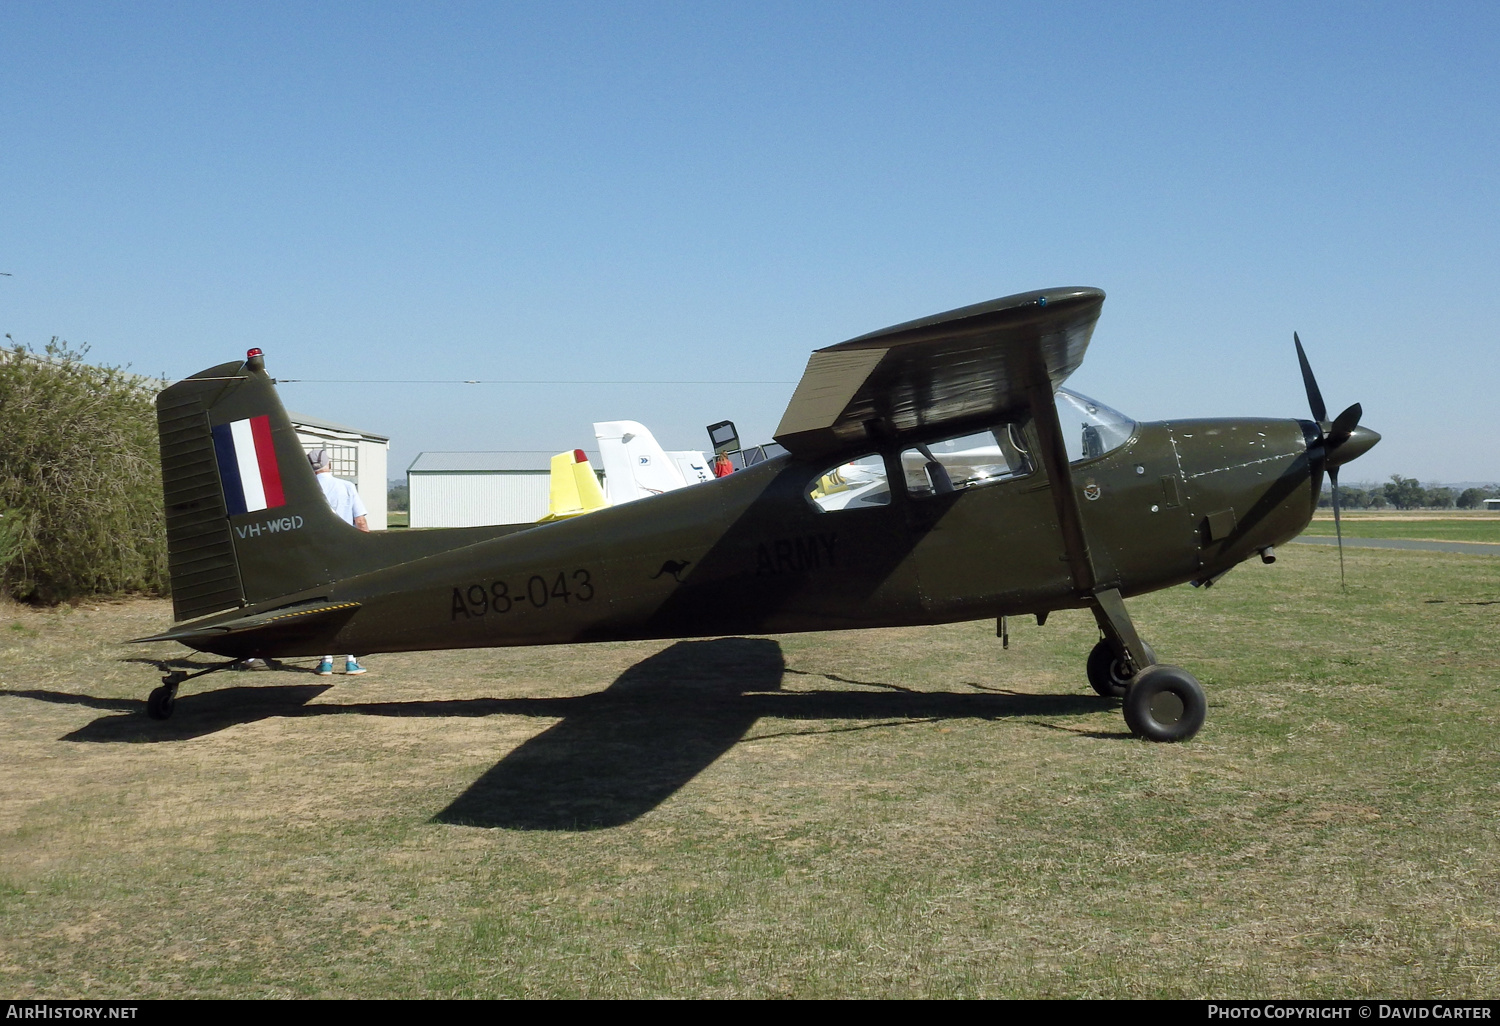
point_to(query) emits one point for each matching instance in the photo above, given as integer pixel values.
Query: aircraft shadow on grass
(614, 755)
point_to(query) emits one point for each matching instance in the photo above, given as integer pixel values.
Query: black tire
(161, 702)
(1107, 674)
(1165, 703)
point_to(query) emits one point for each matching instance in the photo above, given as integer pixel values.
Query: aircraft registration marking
(256, 528)
(496, 597)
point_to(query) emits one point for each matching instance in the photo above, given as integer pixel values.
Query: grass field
(1420, 525)
(902, 813)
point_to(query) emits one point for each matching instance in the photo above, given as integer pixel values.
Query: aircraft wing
(963, 367)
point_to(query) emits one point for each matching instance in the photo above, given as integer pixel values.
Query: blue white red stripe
(247, 465)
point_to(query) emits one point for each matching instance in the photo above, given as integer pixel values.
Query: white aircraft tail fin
(635, 465)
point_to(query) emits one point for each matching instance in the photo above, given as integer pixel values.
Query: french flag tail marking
(247, 465)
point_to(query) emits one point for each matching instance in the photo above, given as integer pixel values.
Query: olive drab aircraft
(934, 471)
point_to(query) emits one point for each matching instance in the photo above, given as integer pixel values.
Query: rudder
(246, 519)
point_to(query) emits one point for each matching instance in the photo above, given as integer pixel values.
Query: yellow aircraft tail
(573, 487)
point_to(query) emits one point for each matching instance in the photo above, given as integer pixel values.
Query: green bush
(80, 478)
(397, 496)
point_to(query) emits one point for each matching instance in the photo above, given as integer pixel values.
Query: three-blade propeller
(1338, 442)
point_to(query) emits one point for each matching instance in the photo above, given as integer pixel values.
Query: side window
(851, 485)
(968, 461)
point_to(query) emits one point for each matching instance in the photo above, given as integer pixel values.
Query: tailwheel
(1165, 703)
(161, 702)
(1108, 673)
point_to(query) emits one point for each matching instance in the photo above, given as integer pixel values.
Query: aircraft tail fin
(573, 488)
(246, 517)
(635, 465)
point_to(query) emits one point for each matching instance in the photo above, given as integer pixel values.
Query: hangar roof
(302, 419)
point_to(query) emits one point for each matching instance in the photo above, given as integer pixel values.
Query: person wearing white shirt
(344, 498)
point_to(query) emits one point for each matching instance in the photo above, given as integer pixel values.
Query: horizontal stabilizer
(277, 625)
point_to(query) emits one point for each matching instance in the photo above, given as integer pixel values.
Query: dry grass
(883, 813)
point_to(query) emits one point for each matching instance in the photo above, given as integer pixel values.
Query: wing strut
(1055, 458)
(1106, 603)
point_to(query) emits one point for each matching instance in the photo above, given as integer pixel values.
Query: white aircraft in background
(635, 466)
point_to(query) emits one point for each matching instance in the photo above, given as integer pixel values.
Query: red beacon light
(252, 354)
(579, 457)
(255, 360)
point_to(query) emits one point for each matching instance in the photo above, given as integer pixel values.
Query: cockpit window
(851, 485)
(967, 461)
(1090, 429)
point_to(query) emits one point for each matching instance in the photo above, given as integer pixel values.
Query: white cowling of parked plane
(635, 465)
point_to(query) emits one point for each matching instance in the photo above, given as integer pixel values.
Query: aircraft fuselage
(751, 554)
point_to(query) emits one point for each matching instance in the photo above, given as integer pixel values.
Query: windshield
(1090, 428)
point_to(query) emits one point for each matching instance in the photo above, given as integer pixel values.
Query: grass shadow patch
(619, 754)
(616, 757)
(194, 716)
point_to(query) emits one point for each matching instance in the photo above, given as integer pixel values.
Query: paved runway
(1471, 548)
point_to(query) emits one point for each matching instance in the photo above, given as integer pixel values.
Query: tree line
(80, 478)
(1407, 493)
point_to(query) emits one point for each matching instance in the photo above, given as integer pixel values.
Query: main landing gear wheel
(1108, 675)
(1165, 703)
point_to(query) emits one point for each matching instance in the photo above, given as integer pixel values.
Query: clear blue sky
(668, 191)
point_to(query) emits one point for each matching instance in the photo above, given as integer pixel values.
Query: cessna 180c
(934, 472)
